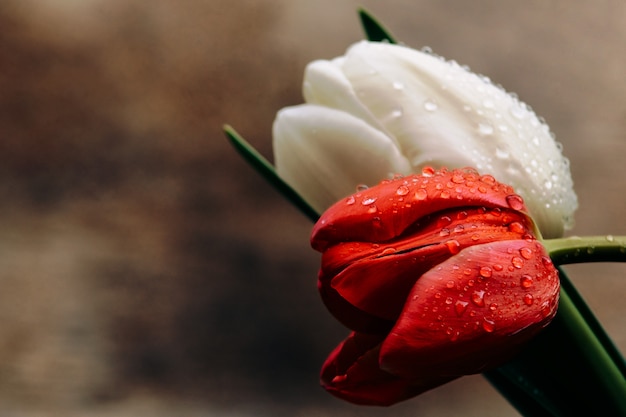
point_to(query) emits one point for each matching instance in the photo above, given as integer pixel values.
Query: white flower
(385, 109)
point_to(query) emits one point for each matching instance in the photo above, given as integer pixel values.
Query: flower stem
(572, 250)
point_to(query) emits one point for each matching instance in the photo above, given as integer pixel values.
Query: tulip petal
(324, 153)
(376, 278)
(473, 311)
(386, 211)
(351, 372)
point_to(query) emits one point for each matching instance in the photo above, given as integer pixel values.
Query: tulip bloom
(386, 109)
(439, 275)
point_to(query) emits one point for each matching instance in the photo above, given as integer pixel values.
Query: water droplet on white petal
(430, 105)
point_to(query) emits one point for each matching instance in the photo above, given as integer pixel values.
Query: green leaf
(568, 369)
(267, 171)
(374, 31)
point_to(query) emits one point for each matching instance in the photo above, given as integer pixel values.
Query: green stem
(572, 250)
(584, 328)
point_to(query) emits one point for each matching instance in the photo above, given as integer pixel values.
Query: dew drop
(453, 246)
(485, 272)
(430, 105)
(350, 200)
(517, 227)
(528, 299)
(361, 187)
(460, 307)
(402, 190)
(546, 261)
(527, 253)
(450, 284)
(515, 201)
(368, 201)
(493, 306)
(488, 179)
(526, 281)
(517, 262)
(445, 194)
(498, 267)
(458, 178)
(610, 238)
(449, 300)
(444, 232)
(428, 171)
(488, 325)
(485, 129)
(478, 298)
(454, 334)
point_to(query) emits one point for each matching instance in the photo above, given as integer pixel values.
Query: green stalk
(572, 367)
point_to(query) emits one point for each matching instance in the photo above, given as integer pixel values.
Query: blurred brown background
(145, 270)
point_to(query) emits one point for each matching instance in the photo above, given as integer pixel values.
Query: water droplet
(372, 209)
(444, 232)
(502, 153)
(478, 298)
(402, 190)
(517, 111)
(498, 267)
(527, 253)
(515, 201)
(430, 105)
(376, 221)
(517, 227)
(453, 246)
(517, 262)
(350, 200)
(488, 325)
(361, 187)
(421, 194)
(368, 201)
(610, 238)
(485, 129)
(488, 179)
(528, 299)
(454, 334)
(526, 281)
(546, 261)
(485, 272)
(460, 307)
(445, 194)
(428, 171)
(493, 306)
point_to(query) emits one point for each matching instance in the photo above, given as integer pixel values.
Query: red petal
(388, 209)
(351, 372)
(471, 312)
(377, 278)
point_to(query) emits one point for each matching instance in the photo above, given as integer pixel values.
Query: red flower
(439, 275)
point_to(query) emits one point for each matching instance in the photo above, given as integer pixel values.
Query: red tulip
(439, 275)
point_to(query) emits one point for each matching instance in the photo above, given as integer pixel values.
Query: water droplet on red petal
(515, 202)
(488, 325)
(526, 281)
(402, 190)
(528, 299)
(460, 307)
(478, 298)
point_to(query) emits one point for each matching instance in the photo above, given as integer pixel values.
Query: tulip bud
(385, 109)
(439, 275)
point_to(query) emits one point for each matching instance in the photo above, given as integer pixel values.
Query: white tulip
(384, 109)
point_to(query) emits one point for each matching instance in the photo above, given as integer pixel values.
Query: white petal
(443, 115)
(325, 153)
